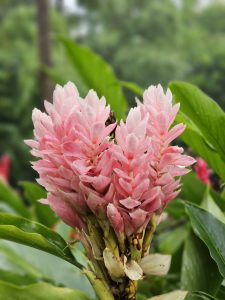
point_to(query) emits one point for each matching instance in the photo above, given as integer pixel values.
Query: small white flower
(155, 264)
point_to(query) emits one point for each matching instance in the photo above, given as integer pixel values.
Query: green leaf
(175, 295)
(96, 74)
(30, 262)
(171, 241)
(193, 189)
(199, 271)
(34, 192)
(11, 198)
(14, 261)
(203, 149)
(133, 87)
(15, 278)
(175, 208)
(184, 295)
(23, 231)
(205, 113)
(221, 293)
(199, 295)
(211, 231)
(39, 291)
(210, 205)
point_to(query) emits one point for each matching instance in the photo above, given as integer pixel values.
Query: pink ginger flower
(121, 180)
(145, 166)
(70, 140)
(202, 171)
(4, 167)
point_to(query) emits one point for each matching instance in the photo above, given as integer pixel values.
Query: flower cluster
(85, 169)
(119, 175)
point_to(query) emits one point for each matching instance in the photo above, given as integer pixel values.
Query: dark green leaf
(199, 296)
(193, 190)
(203, 112)
(11, 198)
(199, 271)
(199, 145)
(175, 208)
(211, 231)
(171, 241)
(34, 192)
(35, 235)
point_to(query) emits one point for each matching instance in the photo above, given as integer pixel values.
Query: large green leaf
(194, 190)
(96, 74)
(12, 199)
(133, 87)
(16, 278)
(39, 291)
(199, 271)
(175, 295)
(209, 204)
(43, 213)
(211, 231)
(23, 231)
(184, 295)
(199, 295)
(15, 262)
(205, 113)
(22, 263)
(199, 145)
(171, 241)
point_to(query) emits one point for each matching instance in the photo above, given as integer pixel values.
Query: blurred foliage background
(146, 41)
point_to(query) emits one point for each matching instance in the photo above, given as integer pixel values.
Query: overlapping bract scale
(120, 173)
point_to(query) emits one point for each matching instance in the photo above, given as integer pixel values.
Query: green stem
(149, 232)
(102, 290)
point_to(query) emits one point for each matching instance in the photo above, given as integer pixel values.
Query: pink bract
(120, 175)
(202, 171)
(4, 167)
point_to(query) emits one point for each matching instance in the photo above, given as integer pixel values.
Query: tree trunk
(44, 48)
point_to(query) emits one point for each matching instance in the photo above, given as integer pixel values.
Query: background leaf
(43, 213)
(38, 291)
(96, 74)
(209, 204)
(199, 145)
(205, 113)
(171, 241)
(133, 87)
(211, 231)
(35, 235)
(31, 265)
(199, 271)
(9, 197)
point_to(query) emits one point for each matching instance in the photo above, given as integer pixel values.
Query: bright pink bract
(90, 165)
(4, 167)
(202, 171)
